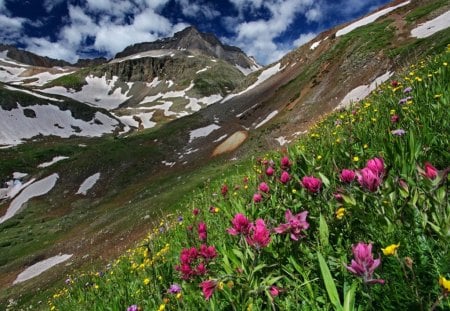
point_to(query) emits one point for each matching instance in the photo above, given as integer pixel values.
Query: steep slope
(147, 172)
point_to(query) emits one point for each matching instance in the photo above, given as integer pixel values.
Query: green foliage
(74, 81)
(409, 208)
(425, 10)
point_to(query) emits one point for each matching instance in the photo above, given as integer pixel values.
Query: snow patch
(266, 74)
(267, 119)
(13, 187)
(203, 70)
(202, 132)
(35, 189)
(363, 91)
(315, 45)
(32, 93)
(168, 163)
(368, 19)
(53, 161)
(152, 53)
(40, 267)
(98, 92)
(49, 120)
(432, 26)
(282, 140)
(88, 183)
(221, 138)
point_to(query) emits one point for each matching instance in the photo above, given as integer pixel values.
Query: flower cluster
(256, 233)
(294, 225)
(194, 261)
(364, 264)
(371, 176)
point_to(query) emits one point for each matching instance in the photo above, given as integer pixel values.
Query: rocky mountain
(153, 124)
(190, 39)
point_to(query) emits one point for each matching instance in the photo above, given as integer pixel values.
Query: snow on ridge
(202, 132)
(13, 188)
(315, 45)
(38, 188)
(49, 120)
(267, 119)
(203, 70)
(166, 163)
(53, 161)
(40, 267)
(368, 19)
(152, 53)
(97, 92)
(432, 26)
(88, 183)
(11, 88)
(264, 75)
(363, 91)
(247, 71)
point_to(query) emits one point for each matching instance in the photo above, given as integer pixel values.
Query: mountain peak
(195, 42)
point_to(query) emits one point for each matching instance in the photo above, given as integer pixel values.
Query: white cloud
(304, 38)
(197, 10)
(258, 37)
(42, 46)
(50, 4)
(2, 5)
(10, 28)
(314, 15)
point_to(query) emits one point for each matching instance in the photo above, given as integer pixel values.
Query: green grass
(425, 10)
(407, 209)
(74, 81)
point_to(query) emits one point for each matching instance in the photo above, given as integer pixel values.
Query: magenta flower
(202, 231)
(394, 83)
(294, 225)
(376, 165)
(208, 288)
(174, 289)
(208, 252)
(347, 176)
(430, 171)
(241, 225)
(259, 235)
(224, 190)
(263, 187)
(195, 211)
(338, 196)
(395, 118)
(363, 264)
(274, 291)
(201, 269)
(257, 197)
(311, 183)
(285, 163)
(285, 177)
(270, 171)
(368, 179)
(133, 308)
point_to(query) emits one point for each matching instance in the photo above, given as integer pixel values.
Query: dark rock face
(192, 40)
(32, 59)
(90, 62)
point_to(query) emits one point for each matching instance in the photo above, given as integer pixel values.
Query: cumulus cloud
(192, 9)
(304, 38)
(258, 37)
(10, 28)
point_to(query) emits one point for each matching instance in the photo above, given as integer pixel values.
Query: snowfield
(40, 267)
(431, 27)
(368, 19)
(53, 161)
(267, 119)
(35, 189)
(49, 120)
(202, 132)
(88, 183)
(363, 91)
(98, 92)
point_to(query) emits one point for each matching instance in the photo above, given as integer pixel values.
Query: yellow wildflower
(216, 210)
(444, 63)
(355, 159)
(220, 285)
(391, 249)
(146, 281)
(340, 213)
(179, 296)
(230, 284)
(162, 307)
(294, 191)
(366, 146)
(445, 284)
(319, 157)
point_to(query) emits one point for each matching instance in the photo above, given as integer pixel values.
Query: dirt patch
(231, 143)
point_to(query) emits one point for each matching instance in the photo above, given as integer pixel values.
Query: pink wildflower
(364, 264)
(263, 187)
(208, 252)
(259, 235)
(202, 231)
(224, 190)
(376, 165)
(395, 118)
(285, 163)
(294, 225)
(195, 211)
(241, 225)
(311, 183)
(430, 171)
(208, 288)
(257, 197)
(270, 171)
(347, 176)
(274, 291)
(285, 177)
(368, 179)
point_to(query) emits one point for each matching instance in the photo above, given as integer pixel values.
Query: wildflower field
(353, 216)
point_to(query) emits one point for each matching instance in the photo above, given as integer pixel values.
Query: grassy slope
(415, 216)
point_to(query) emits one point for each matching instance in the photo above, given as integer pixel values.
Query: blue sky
(265, 29)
